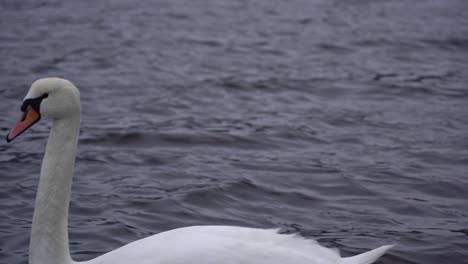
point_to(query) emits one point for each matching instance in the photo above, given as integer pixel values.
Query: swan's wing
(221, 244)
(367, 257)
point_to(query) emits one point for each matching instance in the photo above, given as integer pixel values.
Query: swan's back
(224, 244)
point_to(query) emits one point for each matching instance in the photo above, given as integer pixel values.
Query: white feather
(194, 245)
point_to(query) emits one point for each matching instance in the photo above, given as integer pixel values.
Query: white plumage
(59, 100)
(229, 245)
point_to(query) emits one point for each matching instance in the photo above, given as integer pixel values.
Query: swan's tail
(367, 257)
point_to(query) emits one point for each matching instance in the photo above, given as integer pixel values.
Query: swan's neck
(49, 234)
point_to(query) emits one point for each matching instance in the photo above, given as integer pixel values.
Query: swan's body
(227, 245)
(59, 100)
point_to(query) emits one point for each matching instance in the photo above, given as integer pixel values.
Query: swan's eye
(34, 102)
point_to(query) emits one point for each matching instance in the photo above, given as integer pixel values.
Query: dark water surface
(344, 120)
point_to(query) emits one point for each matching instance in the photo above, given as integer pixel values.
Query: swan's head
(52, 98)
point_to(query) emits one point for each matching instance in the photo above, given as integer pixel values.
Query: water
(345, 121)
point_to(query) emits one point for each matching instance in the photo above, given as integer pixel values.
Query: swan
(59, 100)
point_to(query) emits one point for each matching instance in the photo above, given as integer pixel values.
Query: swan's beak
(29, 118)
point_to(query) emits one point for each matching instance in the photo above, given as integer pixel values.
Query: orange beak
(29, 118)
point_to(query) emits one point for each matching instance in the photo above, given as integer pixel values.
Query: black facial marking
(35, 103)
(25, 114)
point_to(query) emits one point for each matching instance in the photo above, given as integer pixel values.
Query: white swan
(59, 100)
